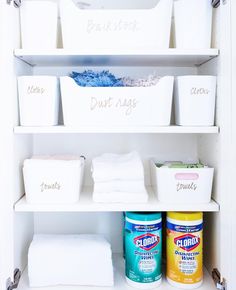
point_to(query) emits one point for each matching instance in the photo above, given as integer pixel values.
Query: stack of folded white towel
(84, 260)
(118, 178)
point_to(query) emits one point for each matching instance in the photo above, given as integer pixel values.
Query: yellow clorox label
(184, 252)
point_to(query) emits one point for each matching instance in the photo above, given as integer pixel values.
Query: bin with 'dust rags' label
(195, 100)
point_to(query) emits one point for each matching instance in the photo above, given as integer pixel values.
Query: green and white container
(143, 249)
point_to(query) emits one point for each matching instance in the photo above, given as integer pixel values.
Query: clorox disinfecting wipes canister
(184, 249)
(143, 249)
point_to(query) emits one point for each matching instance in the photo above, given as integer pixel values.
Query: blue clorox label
(147, 241)
(143, 244)
(187, 242)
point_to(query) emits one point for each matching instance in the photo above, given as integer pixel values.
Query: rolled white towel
(108, 167)
(70, 260)
(134, 186)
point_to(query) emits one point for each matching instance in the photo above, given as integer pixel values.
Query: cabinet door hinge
(219, 281)
(13, 285)
(16, 3)
(216, 3)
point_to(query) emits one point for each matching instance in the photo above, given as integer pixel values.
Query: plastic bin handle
(82, 5)
(186, 176)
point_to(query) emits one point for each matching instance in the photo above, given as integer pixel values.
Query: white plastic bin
(117, 106)
(195, 98)
(116, 29)
(54, 180)
(38, 100)
(193, 24)
(182, 185)
(39, 24)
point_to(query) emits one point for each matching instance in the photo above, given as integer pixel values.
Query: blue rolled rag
(90, 78)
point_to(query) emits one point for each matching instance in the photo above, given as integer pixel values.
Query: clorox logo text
(187, 242)
(147, 241)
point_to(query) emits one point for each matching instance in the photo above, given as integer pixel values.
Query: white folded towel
(108, 167)
(134, 186)
(70, 260)
(120, 197)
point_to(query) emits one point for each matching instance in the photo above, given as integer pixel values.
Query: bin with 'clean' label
(143, 249)
(195, 99)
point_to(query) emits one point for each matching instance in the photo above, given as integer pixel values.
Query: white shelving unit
(68, 58)
(64, 57)
(212, 145)
(120, 283)
(107, 129)
(86, 204)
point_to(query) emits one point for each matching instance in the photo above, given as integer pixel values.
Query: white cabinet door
(9, 21)
(233, 176)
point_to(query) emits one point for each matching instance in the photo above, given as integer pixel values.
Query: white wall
(107, 224)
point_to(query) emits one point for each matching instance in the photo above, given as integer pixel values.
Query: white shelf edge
(106, 52)
(104, 57)
(137, 129)
(86, 204)
(119, 280)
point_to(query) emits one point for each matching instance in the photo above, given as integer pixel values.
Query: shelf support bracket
(16, 3)
(13, 285)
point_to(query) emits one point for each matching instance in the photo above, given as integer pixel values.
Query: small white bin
(116, 29)
(193, 24)
(195, 98)
(54, 180)
(38, 100)
(182, 185)
(117, 106)
(39, 24)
